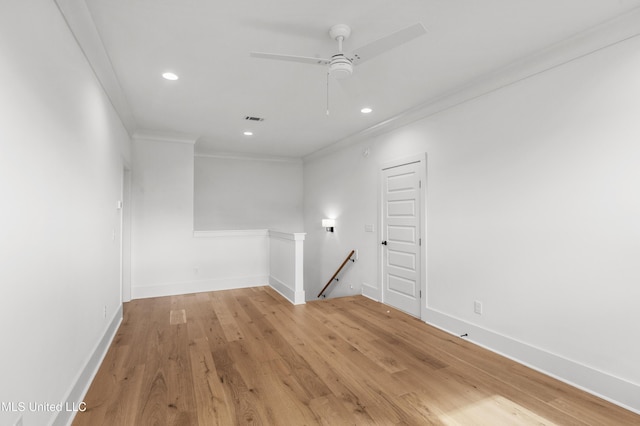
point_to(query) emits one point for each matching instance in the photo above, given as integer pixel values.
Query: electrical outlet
(356, 255)
(477, 307)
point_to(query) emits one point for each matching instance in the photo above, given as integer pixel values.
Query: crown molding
(602, 36)
(80, 22)
(157, 136)
(248, 157)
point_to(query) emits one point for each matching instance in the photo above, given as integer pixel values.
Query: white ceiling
(207, 43)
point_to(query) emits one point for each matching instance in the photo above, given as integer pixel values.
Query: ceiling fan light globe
(341, 70)
(340, 66)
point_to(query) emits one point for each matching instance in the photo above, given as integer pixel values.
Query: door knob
(384, 243)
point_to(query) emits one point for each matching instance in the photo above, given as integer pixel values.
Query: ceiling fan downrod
(340, 66)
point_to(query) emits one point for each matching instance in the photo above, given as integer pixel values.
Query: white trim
(295, 297)
(156, 136)
(607, 34)
(596, 382)
(292, 236)
(188, 287)
(293, 291)
(248, 157)
(126, 228)
(298, 264)
(80, 22)
(370, 292)
(232, 233)
(416, 158)
(85, 377)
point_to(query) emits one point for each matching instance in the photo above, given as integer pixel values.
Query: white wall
(245, 193)
(61, 158)
(166, 257)
(342, 187)
(286, 265)
(533, 208)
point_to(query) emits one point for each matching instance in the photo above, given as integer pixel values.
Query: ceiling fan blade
(291, 58)
(387, 43)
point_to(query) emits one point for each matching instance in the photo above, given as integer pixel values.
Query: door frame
(416, 158)
(125, 235)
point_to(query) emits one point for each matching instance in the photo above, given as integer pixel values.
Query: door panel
(404, 260)
(401, 234)
(401, 208)
(401, 231)
(400, 182)
(402, 285)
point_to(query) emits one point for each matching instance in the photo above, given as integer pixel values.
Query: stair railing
(334, 277)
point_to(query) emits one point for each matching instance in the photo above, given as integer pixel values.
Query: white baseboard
(598, 383)
(295, 297)
(173, 289)
(370, 292)
(86, 375)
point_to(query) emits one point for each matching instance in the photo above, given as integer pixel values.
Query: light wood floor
(249, 357)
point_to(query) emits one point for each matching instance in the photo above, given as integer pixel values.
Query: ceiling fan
(341, 64)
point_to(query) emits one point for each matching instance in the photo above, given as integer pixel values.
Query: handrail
(338, 271)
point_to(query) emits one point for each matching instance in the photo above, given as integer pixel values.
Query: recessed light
(366, 110)
(248, 133)
(169, 76)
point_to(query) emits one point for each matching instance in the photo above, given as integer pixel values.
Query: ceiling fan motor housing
(340, 30)
(340, 66)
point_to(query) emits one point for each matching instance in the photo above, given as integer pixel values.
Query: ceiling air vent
(250, 118)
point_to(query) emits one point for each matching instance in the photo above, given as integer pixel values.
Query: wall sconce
(328, 224)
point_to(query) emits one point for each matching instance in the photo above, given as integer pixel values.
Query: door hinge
(420, 294)
(419, 241)
(419, 184)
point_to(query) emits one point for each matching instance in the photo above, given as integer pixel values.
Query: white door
(401, 241)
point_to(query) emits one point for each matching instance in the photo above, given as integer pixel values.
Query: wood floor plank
(281, 393)
(321, 361)
(180, 392)
(253, 341)
(129, 390)
(331, 412)
(332, 368)
(248, 356)
(298, 365)
(213, 407)
(348, 364)
(358, 337)
(247, 408)
(229, 324)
